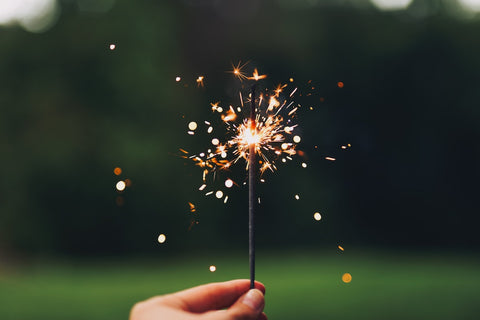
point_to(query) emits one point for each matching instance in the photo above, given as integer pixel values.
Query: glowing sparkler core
(270, 133)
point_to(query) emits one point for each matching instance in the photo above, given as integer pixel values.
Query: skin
(231, 300)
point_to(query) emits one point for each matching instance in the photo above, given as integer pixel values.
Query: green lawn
(299, 285)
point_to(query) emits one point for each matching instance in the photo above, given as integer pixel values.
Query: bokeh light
(212, 268)
(112, 46)
(391, 4)
(120, 185)
(317, 216)
(473, 5)
(117, 171)
(219, 194)
(229, 183)
(192, 125)
(347, 277)
(162, 238)
(297, 139)
(32, 15)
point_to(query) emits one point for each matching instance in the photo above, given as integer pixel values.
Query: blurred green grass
(300, 285)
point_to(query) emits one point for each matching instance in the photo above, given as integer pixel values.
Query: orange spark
(256, 76)
(237, 70)
(200, 81)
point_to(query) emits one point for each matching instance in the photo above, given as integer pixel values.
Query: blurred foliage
(71, 110)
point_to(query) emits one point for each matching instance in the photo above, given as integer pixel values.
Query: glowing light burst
(271, 134)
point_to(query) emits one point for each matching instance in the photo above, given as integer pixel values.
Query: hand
(206, 302)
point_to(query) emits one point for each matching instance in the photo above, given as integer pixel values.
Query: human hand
(206, 302)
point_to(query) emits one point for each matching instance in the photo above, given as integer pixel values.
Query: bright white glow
(178, 79)
(297, 139)
(317, 216)
(228, 183)
(112, 46)
(192, 125)
(391, 4)
(212, 268)
(473, 5)
(32, 15)
(120, 185)
(219, 194)
(162, 238)
(215, 141)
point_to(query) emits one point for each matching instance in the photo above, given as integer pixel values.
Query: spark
(177, 79)
(317, 216)
(192, 126)
(162, 238)
(340, 84)
(117, 171)
(297, 197)
(120, 185)
(192, 207)
(293, 92)
(341, 248)
(200, 81)
(229, 183)
(212, 268)
(112, 46)
(219, 194)
(237, 70)
(256, 76)
(304, 165)
(330, 159)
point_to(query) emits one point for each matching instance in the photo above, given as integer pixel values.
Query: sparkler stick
(251, 193)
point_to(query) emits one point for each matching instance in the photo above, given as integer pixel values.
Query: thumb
(247, 307)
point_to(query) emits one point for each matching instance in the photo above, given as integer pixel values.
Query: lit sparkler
(260, 139)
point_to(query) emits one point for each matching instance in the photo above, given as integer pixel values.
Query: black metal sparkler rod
(251, 194)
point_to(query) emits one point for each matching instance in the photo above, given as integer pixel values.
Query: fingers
(212, 296)
(248, 307)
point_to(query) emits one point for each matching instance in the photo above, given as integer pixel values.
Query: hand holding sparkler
(206, 302)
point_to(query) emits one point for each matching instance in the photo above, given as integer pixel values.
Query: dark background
(71, 110)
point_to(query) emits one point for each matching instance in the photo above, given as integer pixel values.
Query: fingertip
(260, 286)
(254, 299)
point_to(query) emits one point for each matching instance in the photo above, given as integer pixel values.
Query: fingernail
(253, 299)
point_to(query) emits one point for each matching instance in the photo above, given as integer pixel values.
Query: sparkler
(261, 138)
(251, 193)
